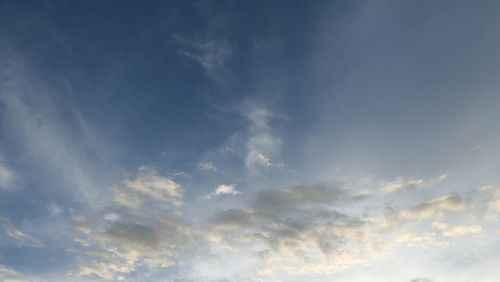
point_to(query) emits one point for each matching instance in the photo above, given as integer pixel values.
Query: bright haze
(345, 141)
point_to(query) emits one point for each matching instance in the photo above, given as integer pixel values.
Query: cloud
(254, 158)
(148, 184)
(16, 233)
(52, 140)
(421, 279)
(224, 190)
(207, 166)
(7, 176)
(114, 248)
(401, 184)
(262, 142)
(136, 231)
(326, 229)
(212, 54)
(431, 209)
(8, 274)
(449, 230)
(297, 229)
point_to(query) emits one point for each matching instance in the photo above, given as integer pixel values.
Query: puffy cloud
(401, 184)
(207, 166)
(224, 190)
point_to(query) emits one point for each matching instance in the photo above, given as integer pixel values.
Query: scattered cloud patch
(136, 231)
(207, 166)
(148, 184)
(257, 159)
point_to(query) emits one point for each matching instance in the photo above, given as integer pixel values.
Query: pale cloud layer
(249, 141)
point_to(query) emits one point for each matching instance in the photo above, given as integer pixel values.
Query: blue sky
(249, 141)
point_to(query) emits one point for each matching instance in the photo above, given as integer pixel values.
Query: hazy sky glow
(250, 141)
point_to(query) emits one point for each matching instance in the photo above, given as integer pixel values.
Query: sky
(250, 141)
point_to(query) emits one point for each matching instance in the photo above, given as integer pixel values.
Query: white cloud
(224, 190)
(401, 184)
(207, 166)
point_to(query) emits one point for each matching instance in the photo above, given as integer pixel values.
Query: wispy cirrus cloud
(17, 234)
(211, 54)
(401, 184)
